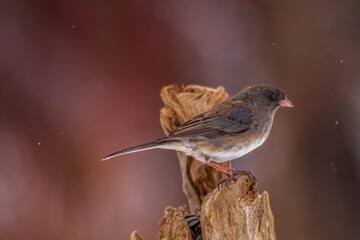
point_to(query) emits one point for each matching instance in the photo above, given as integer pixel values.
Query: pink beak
(286, 103)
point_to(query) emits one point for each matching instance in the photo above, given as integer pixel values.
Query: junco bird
(230, 130)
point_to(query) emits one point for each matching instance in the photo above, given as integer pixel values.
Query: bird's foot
(237, 173)
(231, 173)
(234, 175)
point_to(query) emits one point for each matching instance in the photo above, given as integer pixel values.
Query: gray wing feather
(225, 120)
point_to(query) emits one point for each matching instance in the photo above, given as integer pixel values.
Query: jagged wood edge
(237, 211)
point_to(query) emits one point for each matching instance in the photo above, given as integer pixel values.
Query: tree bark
(233, 211)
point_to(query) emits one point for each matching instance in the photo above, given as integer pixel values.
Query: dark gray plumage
(230, 130)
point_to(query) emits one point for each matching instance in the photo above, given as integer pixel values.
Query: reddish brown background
(79, 79)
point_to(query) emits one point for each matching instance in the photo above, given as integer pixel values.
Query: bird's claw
(235, 175)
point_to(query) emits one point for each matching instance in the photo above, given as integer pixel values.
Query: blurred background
(80, 79)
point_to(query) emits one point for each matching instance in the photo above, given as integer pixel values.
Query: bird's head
(265, 96)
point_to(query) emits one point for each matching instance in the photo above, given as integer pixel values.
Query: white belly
(235, 152)
(240, 150)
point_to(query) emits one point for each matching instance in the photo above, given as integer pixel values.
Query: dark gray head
(265, 95)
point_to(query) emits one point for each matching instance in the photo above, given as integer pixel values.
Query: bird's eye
(272, 96)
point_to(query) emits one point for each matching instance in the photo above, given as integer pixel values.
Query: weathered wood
(181, 104)
(235, 211)
(135, 236)
(173, 224)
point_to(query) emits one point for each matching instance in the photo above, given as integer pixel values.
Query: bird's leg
(221, 168)
(231, 173)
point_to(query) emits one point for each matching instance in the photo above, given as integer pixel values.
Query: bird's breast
(234, 152)
(227, 148)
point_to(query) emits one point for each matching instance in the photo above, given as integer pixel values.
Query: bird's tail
(138, 148)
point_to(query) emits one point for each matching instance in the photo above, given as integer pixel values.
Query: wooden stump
(233, 212)
(181, 104)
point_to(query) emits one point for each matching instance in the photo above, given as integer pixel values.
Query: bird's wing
(226, 119)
